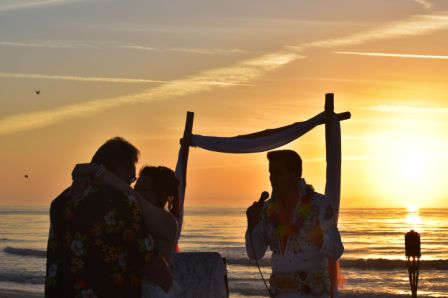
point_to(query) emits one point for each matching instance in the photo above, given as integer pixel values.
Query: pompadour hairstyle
(291, 159)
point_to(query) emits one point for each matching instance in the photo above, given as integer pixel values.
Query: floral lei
(304, 213)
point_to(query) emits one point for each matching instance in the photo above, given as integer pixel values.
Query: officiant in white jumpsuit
(299, 227)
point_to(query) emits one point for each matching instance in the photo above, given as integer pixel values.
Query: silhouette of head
(285, 168)
(119, 157)
(159, 186)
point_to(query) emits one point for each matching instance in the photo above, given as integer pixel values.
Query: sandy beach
(18, 294)
(22, 294)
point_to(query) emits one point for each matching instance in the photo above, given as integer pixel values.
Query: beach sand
(18, 294)
(22, 294)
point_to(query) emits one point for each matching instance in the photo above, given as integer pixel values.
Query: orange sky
(135, 71)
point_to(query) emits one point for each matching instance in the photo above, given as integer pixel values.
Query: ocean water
(373, 263)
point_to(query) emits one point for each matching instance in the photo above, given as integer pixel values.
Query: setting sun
(412, 208)
(407, 159)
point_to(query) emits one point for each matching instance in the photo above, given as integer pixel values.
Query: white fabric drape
(243, 144)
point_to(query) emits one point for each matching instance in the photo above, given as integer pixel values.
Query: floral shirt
(97, 245)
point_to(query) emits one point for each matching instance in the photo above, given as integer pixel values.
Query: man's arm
(256, 239)
(159, 222)
(256, 242)
(153, 264)
(332, 246)
(141, 241)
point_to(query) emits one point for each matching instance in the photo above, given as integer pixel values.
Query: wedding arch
(270, 139)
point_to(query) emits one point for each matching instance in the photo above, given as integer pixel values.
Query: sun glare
(412, 208)
(406, 165)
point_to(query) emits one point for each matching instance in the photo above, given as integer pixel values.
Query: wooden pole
(329, 110)
(186, 143)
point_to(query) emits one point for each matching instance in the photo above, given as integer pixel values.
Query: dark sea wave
(25, 252)
(24, 211)
(377, 264)
(385, 264)
(22, 278)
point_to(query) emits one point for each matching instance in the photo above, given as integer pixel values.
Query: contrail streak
(394, 55)
(77, 78)
(31, 4)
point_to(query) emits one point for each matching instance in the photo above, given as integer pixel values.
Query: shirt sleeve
(332, 246)
(52, 257)
(139, 242)
(257, 240)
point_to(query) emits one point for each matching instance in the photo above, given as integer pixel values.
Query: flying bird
(37, 92)
(26, 176)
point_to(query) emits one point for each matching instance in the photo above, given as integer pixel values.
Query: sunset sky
(110, 68)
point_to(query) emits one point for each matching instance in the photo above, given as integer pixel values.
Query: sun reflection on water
(413, 218)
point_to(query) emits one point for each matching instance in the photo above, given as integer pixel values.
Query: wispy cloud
(424, 3)
(137, 47)
(109, 80)
(240, 74)
(77, 78)
(31, 4)
(408, 109)
(393, 55)
(188, 50)
(81, 45)
(48, 45)
(208, 51)
(417, 25)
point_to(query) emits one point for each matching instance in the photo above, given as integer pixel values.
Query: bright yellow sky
(133, 71)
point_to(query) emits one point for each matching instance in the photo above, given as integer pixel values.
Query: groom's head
(119, 157)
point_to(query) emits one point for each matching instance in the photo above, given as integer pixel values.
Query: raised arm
(159, 222)
(332, 246)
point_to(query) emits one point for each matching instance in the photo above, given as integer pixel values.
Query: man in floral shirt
(97, 245)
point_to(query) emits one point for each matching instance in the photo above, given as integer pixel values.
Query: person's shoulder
(319, 199)
(61, 198)
(318, 196)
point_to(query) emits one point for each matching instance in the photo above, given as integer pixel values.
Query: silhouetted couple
(107, 239)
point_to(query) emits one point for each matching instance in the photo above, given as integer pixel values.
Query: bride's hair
(165, 185)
